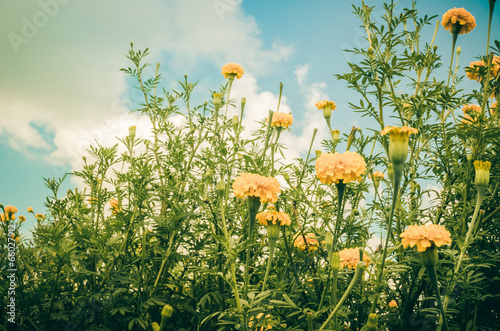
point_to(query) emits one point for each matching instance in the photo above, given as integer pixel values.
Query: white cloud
(61, 60)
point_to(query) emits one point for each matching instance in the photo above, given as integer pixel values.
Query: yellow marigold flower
(253, 324)
(40, 217)
(424, 235)
(482, 173)
(325, 103)
(350, 257)
(10, 209)
(345, 167)
(472, 71)
(309, 240)
(272, 216)
(265, 188)
(30, 209)
(22, 219)
(399, 139)
(2, 217)
(393, 304)
(467, 109)
(378, 174)
(470, 113)
(115, 206)
(282, 120)
(232, 70)
(458, 20)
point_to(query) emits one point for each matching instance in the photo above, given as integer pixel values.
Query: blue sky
(61, 87)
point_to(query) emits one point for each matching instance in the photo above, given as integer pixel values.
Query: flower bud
(372, 323)
(335, 261)
(217, 100)
(459, 50)
(132, 131)
(155, 326)
(318, 153)
(335, 135)
(221, 188)
(167, 311)
(482, 174)
(235, 122)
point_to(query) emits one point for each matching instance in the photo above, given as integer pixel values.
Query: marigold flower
(10, 209)
(458, 21)
(40, 217)
(345, 167)
(399, 139)
(2, 217)
(470, 113)
(30, 209)
(22, 219)
(115, 206)
(350, 257)
(273, 217)
(378, 174)
(325, 103)
(482, 173)
(253, 324)
(424, 235)
(393, 304)
(305, 240)
(232, 70)
(472, 71)
(282, 120)
(265, 188)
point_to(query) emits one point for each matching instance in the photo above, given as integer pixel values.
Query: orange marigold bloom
(396, 130)
(324, 103)
(115, 206)
(350, 257)
(393, 304)
(22, 219)
(345, 167)
(265, 188)
(424, 235)
(39, 217)
(472, 71)
(470, 113)
(303, 241)
(30, 209)
(282, 120)
(272, 216)
(253, 324)
(10, 209)
(232, 70)
(463, 21)
(378, 174)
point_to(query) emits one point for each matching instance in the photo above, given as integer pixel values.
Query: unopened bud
(235, 122)
(318, 154)
(335, 135)
(217, 100)
(131, 131)
(167, 311)
(372, 323)
(459, 50)
(221, 188)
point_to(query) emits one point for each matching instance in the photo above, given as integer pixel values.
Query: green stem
(433, 276)
(398, 173)
(272, 245)
(492, 7)
(453, 43)
(480, 197)
(253, 207)
(340, 189)
(357, 276)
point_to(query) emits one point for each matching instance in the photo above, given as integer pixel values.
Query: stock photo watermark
(32, 25)
(11, 274)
